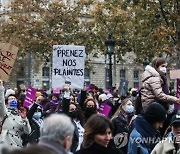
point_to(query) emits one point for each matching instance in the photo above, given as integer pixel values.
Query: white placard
(68, 66)
(175, 74)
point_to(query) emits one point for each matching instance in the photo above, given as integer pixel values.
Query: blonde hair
(120, 109)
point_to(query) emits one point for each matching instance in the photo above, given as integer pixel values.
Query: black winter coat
(98, 149)
(33, 137)
(121, 124)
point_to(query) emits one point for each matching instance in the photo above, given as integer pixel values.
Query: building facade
(97, 73)
(39, 76)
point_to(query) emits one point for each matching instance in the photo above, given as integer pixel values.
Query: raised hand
(66, 87)
(23, 112)
(178, 100)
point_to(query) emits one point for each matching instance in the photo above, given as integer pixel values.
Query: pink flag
(56, 90)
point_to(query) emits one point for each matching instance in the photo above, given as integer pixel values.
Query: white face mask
(163, 69)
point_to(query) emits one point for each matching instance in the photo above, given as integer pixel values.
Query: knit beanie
(155, 112)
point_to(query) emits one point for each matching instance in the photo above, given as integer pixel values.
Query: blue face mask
(129, 109)
(37, 115)
(13, 104)
(132, 99)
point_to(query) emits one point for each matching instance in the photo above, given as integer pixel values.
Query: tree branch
(166, 21)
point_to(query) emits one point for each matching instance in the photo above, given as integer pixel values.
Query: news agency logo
(145, 140)
(154, 140)
(120, 140)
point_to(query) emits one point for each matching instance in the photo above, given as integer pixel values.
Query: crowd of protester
(142, 122)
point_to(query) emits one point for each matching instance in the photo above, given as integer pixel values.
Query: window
(86, 73)
(45, 71)
(136, 84)
(136, 74)
(122, 74)
(136, 78)
(45, 85)
(107, 78)
(86, 76)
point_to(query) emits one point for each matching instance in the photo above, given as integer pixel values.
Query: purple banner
(56, 90)
(30, 97)
(177, 105)
(178, 88)
(104, 109)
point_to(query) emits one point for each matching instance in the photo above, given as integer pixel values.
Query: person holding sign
(155, 86)
(35, 118)
(13, 121)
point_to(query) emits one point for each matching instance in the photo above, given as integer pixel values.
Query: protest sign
(104, 109)
(175, 74)
(8, 55)
(177, 105)
(56, 90)
(178, 88)
(68, 66)
(30, 97)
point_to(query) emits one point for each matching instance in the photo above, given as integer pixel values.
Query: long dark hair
(90, 99)
(80, 115)
(96, 124)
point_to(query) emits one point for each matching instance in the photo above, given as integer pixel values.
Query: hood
(147, 132)
(143, 127)
(149, 71)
